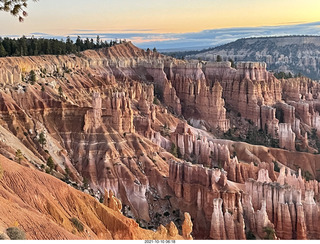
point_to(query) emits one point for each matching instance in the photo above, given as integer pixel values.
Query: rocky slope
(295, 54)
(44, 206)
(129, 121)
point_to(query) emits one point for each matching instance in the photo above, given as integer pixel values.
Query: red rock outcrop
(286, 137)
(187, 227)
(101, 120)
(205, 152)
(210, 191)
(269, 122)
(111, 201)
(246, 88)
(240, 172)
(293, 215)
(199, 100)
(43, 207)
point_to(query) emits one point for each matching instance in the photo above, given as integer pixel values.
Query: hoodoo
(157, 148)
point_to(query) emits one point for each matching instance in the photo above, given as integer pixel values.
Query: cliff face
(287, 54)
(285, 205)
(43, 207)
(114, 125)
(210, 191)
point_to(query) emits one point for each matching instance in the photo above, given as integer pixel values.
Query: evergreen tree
(3, 51)
(42, 139)
(32, 77)
(69, 45)
(50, 163)
(98, 44)
(39, 46)
(79, 44)
(23, 46)
(219, 59)
(7, 45)
(232, 62)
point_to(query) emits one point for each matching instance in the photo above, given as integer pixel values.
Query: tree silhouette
(15, 7)
(24, 46)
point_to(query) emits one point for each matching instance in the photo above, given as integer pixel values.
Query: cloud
(146, 38)
(216, 37)
(39, 34)
(139, 39)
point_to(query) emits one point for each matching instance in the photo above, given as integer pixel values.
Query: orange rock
(44, 205)
(187, 227)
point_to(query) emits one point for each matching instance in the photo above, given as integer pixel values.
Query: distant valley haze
(167, 25)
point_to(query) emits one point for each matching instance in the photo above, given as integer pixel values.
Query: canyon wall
(125, 120)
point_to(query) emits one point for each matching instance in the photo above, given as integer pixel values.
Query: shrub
(156, 101)
(16, 233)
(307, 175)
(19, 156)
(77, 224)
(269, 233)
(250, 235)
(3, 236)
(174, 150)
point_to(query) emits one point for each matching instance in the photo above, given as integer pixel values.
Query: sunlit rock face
(123, 124)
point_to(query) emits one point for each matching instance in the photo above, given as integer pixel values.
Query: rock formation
(114, 119)
(205, 152)
(276, 51)
(187, 227)
(285, 208)
(111, 201)
(209, 190)
(286, 137)
(43, 207)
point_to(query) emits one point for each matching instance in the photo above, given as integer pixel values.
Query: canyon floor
(122, 143)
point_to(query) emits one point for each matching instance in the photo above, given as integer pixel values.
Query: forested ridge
(40, 46)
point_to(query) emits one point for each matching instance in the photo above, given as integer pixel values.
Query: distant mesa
(294, 54)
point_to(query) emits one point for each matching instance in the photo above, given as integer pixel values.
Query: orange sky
(61, 17)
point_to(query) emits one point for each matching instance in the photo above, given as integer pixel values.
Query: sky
(165, 23)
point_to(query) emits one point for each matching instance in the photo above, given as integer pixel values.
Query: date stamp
(160, 241)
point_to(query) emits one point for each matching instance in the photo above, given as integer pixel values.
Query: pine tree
(42, 139)
(50, 163)
(32, 77)
(69, 45)
(3, 52)
(232, 62)
(98, 44)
